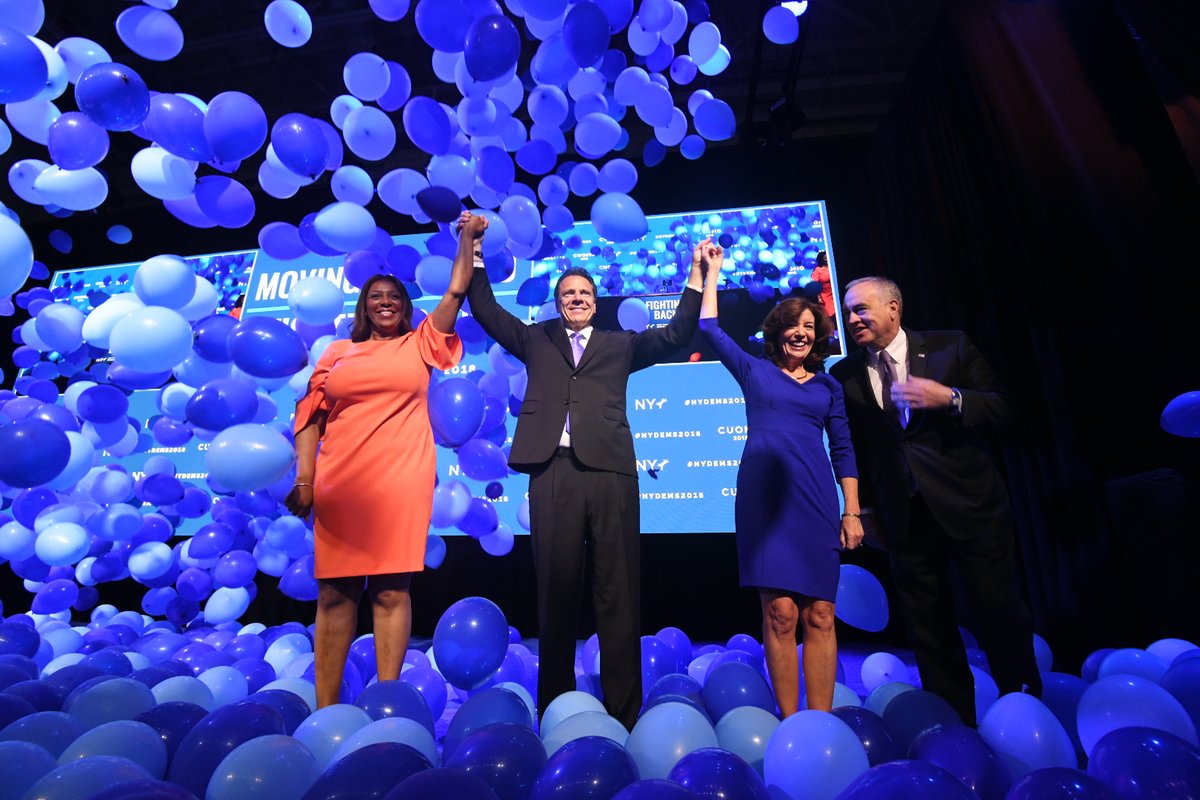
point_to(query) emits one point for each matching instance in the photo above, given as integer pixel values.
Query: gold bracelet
(301, 483)
(849, 514)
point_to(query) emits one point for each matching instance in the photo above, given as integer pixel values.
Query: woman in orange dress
(371, 489)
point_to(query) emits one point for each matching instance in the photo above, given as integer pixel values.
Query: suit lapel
(918, 354)
(594, 342)
(557, 333)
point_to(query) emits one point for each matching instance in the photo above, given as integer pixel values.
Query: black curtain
(1030, 187)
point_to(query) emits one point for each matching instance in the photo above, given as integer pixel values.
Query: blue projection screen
(687, 416)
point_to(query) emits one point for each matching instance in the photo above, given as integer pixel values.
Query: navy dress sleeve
(837, 427)
(736, 360)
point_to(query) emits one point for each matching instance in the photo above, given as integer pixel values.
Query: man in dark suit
(573, 440)
(918, 404)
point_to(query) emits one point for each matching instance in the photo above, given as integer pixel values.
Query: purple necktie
(887, 376)
(576, 353)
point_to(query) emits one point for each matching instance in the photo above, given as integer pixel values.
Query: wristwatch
(955, 401)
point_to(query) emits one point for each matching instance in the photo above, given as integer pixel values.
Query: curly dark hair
(360, 331)
(787, 315)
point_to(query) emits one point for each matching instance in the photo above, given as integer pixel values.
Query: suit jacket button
(574, 377)
(908, 444)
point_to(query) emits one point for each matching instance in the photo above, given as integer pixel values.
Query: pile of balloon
(129, 707)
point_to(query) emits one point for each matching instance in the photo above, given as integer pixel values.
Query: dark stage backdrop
(1054, 149)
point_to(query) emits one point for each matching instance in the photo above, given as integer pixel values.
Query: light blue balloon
(151, 339)
(32, 119)
(288, 23)
(666, 733)
(1026, 735)
(345, 227)
(186, 689)
(150, 32)
(717, 64)
(249, 457)
(60, 326)
(165, 280)
(584, 723)
(433, 274)
(618, 217)
(523, 220)
(76, 189)
(119, 698)
(877, 701)
(86, 777)
(452, 171)
(227, 684)
(366, 76)
(399, 188)
(369, 133)
(352, 185)
(745, 732)
(715, 120)
(325, 730)
(150, 560)
(813, 754)
(17, 541)
(78, 54)
(1128, 701)
(596, 134)
(703, 41)
(390, 729)
(126, 738)
(225, 605)
(316, 300)
(61, 544)
(618, 175)
(633, 314)
(268, 767)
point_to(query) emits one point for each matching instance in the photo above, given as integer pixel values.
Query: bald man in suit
(919, 404)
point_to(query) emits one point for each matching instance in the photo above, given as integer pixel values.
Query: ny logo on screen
(652, 466)
(649, 403)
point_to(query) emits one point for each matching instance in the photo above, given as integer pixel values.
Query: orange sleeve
(438, 350)
(314, 398)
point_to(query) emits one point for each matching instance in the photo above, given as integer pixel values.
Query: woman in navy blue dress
(789, 532)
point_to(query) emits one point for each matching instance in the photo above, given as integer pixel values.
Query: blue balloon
(235, 126)
(288, 23)
(470, 641)
(482, 460)
(589, 767)
(901, 780)
(300, 144)
(1061, 782)
(36, 450)
(909, 714)
(75, 142)
(456, 410)
(396, 699)
(876, 740)
(963, 753)
(225, 201)
(177, 125)
(507, 756)
(861, 600)
(113, 96)
(426, 123)
(369, 771)
(51, 730)
(492, 47)
(24, 765)
(172, 721)
(204, 747)
(734, 684)
(715, 121)
(266, 348)
(665, 733)
(618, 217)
(813, 753)
(439, 204)
(249, 457)
(586, 33)
(713, 772)
(1145, 762)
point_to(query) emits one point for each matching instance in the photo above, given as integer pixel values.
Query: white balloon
(56, 80)
(163, 175)
(32, 118)
(76, 189)
(99, 323)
